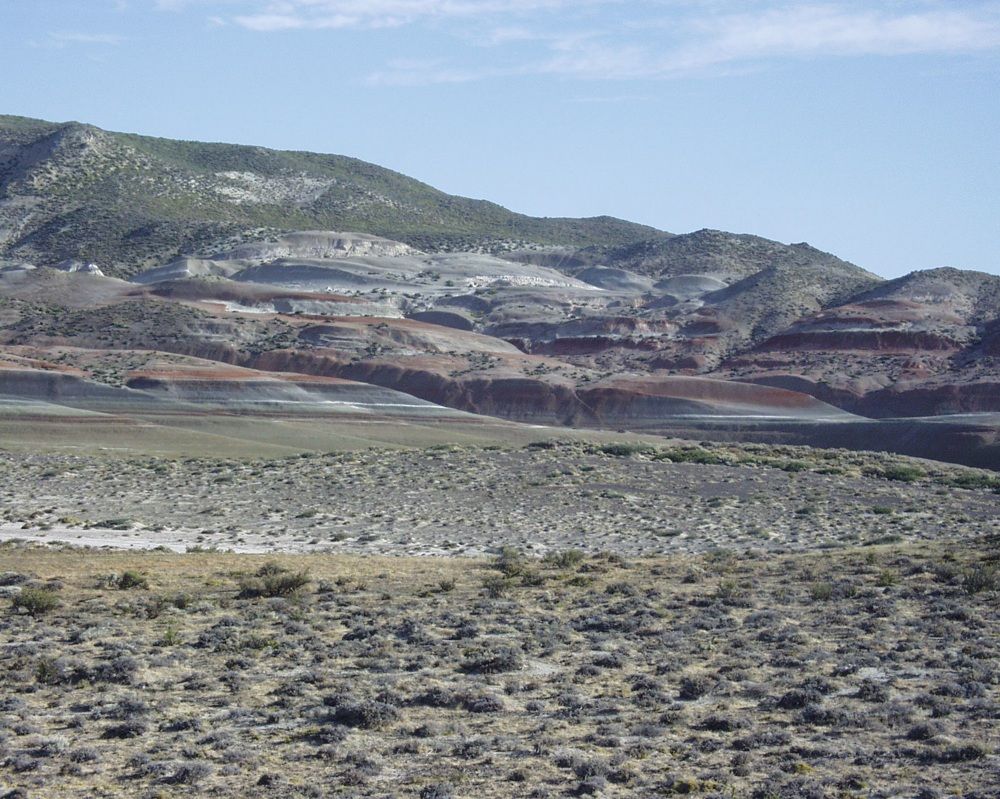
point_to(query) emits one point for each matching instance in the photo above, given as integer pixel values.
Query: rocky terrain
(128, 256)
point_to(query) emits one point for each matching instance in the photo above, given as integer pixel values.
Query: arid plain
(316, 481)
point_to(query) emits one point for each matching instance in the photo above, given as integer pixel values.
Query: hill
(244, 257)
(126, 201)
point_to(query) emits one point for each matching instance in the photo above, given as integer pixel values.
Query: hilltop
(72, 190)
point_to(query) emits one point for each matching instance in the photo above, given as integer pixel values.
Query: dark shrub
(924, 731)
(899, 472)
(694, 688)
(35, 601)
(127, 729)
(719, 723)
(273, 580)
(439, 790)
(84, 755)
(823, 717)
(54, 671)
(981, 578)
(189, 774)
(493, 661)
(130, 579)
(959, 754)
(510, 562)
(871, 691)
(798, 698)
(438, 697)
(591, 786)
(120, 670)
(484, 704)
(367, 714)
(624, 449)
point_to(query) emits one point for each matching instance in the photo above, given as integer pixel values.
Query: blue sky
(869, 129)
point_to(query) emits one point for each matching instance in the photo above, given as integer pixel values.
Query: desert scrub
(127, 580)
(510, 562)
(899, 472)
(35, 601)
(273, 580)
(821, 592)
(981, 578)
(639, 680)
(624, 449)
(564, 559)
(496, 585)
(369, 714)
(691, 455)
(493, 661)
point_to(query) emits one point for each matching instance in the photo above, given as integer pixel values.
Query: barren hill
(301, 267)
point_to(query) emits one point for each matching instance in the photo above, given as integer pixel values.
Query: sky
(868, 129)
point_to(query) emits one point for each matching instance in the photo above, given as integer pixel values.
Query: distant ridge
(125, 201)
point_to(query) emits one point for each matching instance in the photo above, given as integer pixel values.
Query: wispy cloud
(686, 44)
(627, 39)
(831, 30)
(374, 14)
(60, 39)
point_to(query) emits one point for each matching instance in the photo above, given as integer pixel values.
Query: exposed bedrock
(553, 401)
(457, 321)
(511, 397)
(873, 340)
(57, 386)
(906, 398)
(649, 401)
(933, 400)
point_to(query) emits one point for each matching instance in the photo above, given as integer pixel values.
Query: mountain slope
(922, 344)
(127, 201)
(242, 256)
(728, 256)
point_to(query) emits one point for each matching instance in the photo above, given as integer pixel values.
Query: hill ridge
(128, 201)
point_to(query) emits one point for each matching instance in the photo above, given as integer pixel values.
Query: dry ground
(869, 672)
(732, 622)
(633, 499)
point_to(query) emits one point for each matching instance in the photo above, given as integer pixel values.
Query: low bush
(510, 562)
(981, 578)
(368, 714)
(272, 580)
(691, 455)
(564, 559)
(899, 472)
(493, 661)
(624, 449)
(36, 601)
(130, 579)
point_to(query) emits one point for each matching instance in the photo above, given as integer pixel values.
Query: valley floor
(628, 498)
(601, 618)
(866, 672)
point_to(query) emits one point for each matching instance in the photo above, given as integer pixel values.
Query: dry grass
(716, 675)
